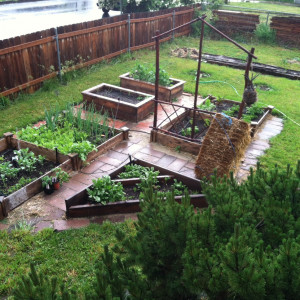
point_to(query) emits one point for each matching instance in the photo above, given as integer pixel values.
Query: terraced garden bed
(120, 103)
(176, 133)
(78, 132)
(165, 93)
(255, 115)
(129, 195)
(23, 165)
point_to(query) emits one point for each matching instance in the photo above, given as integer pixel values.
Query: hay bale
(223, 146)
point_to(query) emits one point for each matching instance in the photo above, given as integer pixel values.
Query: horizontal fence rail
(27, 61)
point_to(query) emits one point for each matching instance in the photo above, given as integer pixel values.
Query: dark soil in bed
(223, 106)
(185, 123)
(133, 192)
(38, 172)
(120, 95)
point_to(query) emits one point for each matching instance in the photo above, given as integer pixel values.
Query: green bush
(147, 73)
(4, 102)
(265, 34)
(244, 246)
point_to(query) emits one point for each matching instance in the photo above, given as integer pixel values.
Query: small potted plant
(47, 185)
(60, 177)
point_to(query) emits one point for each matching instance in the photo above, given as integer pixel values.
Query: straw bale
(223, 146)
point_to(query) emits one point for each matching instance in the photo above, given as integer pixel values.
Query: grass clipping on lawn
(223, 147)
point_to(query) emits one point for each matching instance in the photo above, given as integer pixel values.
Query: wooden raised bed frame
(254, 125)
(121, 134)
(174, 141)
(124, 110)
(164, 93)
(78, 206)
(17, 198)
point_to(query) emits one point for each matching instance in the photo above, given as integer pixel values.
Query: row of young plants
(146, 72)
(69, 132)
(252, 112)
(17, 172)
(105, 190)
(245, 245)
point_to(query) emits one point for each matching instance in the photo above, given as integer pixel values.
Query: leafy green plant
(188, 131)
(51, 117)
(7, 171)
(62, 138)
(179, 187)
(4, 102)
(206, 122)
(207, 105)
(104, 190)
(265, 34)
(178, 149)
(27, 160)
(46, 181)
(232, 110)
(138, 171)
(253, 112)
(147, 73)
(61, 176)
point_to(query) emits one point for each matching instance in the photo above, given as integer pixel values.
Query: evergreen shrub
(245, 245)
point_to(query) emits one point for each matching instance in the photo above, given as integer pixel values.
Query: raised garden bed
(7, 145)
(181, 127)
(80, 206)
(80, 134)
(227, 105)
(120, 103)
(164, 93)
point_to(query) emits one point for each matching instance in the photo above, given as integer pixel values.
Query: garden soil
(223, 147)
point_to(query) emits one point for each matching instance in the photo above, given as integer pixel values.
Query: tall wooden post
(249, 61)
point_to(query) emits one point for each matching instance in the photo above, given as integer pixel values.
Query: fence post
(128, 32)
(267, 19)
(173, 17)
(58, 54)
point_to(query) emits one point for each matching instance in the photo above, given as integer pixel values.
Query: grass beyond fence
(264, 6)
(283, 94)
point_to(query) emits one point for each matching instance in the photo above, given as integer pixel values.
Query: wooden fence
(231, 22)
(28, 60)
(287, 30)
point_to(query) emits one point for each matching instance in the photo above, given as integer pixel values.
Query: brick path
(49, 210)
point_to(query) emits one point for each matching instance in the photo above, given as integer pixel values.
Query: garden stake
(56, 156)
(156, 78)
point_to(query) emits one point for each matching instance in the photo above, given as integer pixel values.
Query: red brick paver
(60, 225)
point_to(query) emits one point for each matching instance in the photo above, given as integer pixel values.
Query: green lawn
(267, 6)
(70, 255)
